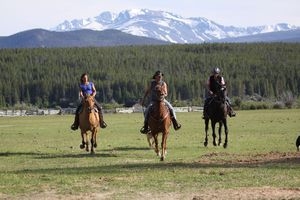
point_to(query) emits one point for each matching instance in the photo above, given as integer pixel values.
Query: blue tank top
(87, 89)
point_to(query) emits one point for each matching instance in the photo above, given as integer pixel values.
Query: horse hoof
(214, 143)
(95, 145)
(162, 158)
(205, 144)
(225, 145)
(82, 146)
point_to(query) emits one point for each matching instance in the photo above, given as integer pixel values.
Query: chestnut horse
(217, 113)
(159, 122)
(89, 122)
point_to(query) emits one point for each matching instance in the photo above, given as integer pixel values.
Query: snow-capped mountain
(166, 26)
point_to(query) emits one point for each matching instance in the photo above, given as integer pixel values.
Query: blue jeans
(172, 112)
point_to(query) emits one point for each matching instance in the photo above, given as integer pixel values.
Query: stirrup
(103, 125)
(74, 127)
(177, 127)
(232, 114)
(144, 130)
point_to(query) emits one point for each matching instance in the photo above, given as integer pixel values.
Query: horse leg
(150, 140)
(87, 142)
(164, 145)
(213, 126)
(95, 139)
(206, 130)
(83, 142)
(226, 134)
(156, 149)
(92, 142)
(220, 130)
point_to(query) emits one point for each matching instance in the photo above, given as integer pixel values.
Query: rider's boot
(176, 125)
(76, 122)
(145, 129)
(231, 113)
(102, 122)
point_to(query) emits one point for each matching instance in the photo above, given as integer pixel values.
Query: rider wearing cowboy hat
(157, 80)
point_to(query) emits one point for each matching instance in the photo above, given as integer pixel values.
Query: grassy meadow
(40, 158)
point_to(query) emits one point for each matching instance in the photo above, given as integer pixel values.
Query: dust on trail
(261, 158)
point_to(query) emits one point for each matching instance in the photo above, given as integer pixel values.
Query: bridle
(90, 105)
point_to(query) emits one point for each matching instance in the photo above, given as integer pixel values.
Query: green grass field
(40, 158)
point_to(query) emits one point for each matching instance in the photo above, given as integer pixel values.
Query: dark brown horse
(160, 122)
(89, 122)
(217, 113)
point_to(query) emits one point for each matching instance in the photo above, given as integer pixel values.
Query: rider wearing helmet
(214, 82)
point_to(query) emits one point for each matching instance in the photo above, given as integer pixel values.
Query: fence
(66, 111)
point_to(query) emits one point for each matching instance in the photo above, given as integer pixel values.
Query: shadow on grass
(7, 154)
(128, 148)
(83, 154)
(282, 163)
(38, 155)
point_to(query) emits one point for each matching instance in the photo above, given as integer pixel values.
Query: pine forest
(49, 77)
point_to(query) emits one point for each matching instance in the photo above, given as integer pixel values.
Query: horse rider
(87, 88)
(215, 82)
(157, 80)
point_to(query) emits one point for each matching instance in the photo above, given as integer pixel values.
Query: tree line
(49, 77)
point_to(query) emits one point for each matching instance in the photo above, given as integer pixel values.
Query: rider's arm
(223, 84)
(147, 91)
(80, 93)
(208, 86)
(94, 90)
(165, 89)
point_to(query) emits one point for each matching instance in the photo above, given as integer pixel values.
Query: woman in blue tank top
(87, 88)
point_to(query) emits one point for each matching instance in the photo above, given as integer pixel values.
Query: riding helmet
(216, 70)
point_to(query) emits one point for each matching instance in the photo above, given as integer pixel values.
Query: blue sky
(20, 15)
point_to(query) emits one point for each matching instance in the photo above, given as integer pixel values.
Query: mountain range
(145, 27)
(37, 38)
(167, 26)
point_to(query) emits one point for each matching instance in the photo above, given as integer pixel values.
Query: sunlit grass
(41, 153)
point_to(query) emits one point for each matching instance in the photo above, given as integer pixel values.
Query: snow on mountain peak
(166, 26)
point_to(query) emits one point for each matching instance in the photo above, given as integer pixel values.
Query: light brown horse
(160, 122)
(89, 122)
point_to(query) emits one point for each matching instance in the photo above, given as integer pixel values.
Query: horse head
(159, 93)
(89, 102)
(221, 95)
